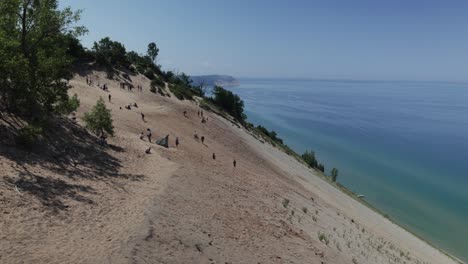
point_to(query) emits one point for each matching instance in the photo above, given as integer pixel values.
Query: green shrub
(181, 92)
(110, 53)
(99, 119)
(334, 174)
(323, 238)
(149, 74)
(229, 102)
(69, 105)
(28, 135)
(309, 159)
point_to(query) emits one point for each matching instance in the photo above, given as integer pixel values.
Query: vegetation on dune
(35, 58)
(334, 174)
(99, 119)
(229, 102)
(309, 159)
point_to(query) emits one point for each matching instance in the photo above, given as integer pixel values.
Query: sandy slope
(178, 205)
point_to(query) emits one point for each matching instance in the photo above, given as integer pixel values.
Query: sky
(361, 39)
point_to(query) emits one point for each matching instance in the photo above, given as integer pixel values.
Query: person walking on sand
(110, 97)
(214, 156)
(202, 139)
(142, 116)
(148, 134)
(234, 163)
(177, 142)
(142, 135)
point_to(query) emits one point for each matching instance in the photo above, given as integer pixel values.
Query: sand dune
(178, 205)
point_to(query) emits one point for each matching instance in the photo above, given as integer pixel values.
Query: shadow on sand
(68, 151)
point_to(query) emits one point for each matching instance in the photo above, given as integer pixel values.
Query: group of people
(128, 85)
(148, 134)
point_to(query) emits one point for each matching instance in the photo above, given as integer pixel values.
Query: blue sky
(371, 39)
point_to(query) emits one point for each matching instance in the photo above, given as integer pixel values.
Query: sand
(178, 205)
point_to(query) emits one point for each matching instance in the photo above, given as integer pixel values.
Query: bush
(334, 174)
(69, 105)
(271, 134)
(28, 135)
(323, 238)
(309, 159)
(181, 92)
(99, 119)
(149, 74)
(110, 53)
(229, 102)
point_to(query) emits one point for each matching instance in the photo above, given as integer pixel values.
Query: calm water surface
(404, 145)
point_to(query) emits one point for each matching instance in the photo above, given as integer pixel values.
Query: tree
(34, 60)
(230, 102)
(309, 159)
(99, 119)
(334, 174)
(152, 51)
(110, 53)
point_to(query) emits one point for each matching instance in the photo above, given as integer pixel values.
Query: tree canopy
(230, 102)
(34, 56)
(152, 51)
(99, 119)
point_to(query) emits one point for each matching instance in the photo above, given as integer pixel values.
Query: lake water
(404, 145)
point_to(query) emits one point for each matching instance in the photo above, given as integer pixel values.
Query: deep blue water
(404, 145)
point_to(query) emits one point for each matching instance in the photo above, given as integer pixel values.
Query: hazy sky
(372, 39)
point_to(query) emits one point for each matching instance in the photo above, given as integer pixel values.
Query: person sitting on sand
(110, 97)
(148, 150)
(148, 134)
(234, 163)
(135, 105)
(177, 142)
(202, 139)
(195, 135)
(142, 135)
(102, 140)
(185, 113)
(203, 120)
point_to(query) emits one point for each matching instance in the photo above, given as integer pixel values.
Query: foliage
(181, 92)
(334, 174)
(152, 51)
(271, 134)
(229, 102)
(35, 56)
(110, 53)
(309, 158)
(149, 74)
(321, 167)
(99, 119)
(68, 106)
(28, 135)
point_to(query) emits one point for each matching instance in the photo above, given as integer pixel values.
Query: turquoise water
(404, 145)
